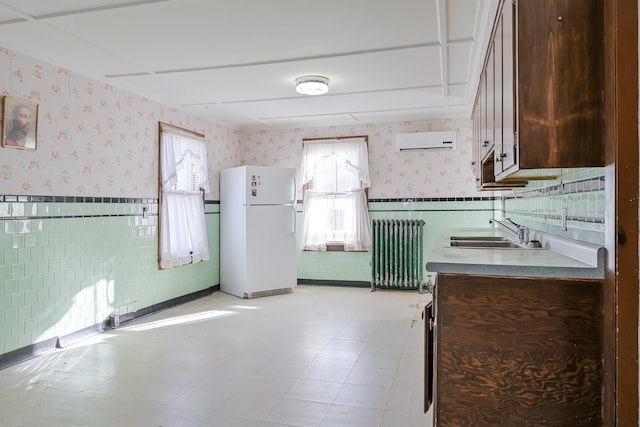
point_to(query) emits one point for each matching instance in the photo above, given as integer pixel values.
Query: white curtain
(335, 174)
(357, 227)
(183, 232)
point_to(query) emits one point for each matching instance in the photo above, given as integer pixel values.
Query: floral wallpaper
(417, 174)
(94, 139)
(97, 140)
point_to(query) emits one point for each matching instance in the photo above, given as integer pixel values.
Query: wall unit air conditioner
(426, 140)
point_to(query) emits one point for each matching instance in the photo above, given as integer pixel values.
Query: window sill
(333, 247)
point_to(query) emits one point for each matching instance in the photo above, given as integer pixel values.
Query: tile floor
(321, 356)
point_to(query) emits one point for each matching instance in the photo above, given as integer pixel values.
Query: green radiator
(396, 259)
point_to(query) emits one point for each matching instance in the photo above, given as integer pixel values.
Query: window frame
(169, 128)
(336, 246)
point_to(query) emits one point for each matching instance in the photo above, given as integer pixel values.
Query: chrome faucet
(519, 230)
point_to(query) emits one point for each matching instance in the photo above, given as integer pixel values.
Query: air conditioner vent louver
(426, 140)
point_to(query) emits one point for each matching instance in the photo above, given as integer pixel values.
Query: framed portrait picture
(19, 124)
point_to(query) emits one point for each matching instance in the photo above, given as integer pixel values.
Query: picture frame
(19, 124)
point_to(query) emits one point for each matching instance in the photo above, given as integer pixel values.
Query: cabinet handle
(485, 143)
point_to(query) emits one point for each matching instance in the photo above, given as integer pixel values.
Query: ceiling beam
(283, 61)
(25, 16)
(441, 10)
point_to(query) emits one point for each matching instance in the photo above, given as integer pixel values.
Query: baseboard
(82, 334)
(25, 353)
(355, 284)
(127, 317)
(34, 350)
(350, 283)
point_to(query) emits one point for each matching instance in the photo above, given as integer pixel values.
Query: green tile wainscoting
(68, 263)
(580, 192)
(437, 213)
(538, 206)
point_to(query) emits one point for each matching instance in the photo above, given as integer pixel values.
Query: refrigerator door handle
(295, 222)
(295, 188)
(293, 203)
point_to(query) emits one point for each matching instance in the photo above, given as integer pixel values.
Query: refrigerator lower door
(270, 250)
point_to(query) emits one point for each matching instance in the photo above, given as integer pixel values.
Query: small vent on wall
(426, 141)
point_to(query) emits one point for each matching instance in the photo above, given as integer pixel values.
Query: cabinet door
(428, 356)
(490, 100)
(497, 94)
(475, 146)
(482, 101)
(435, 361)
(517, 351)
(559, 51)
(508, 151)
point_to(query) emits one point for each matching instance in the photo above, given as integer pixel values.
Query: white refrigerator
(257, 231)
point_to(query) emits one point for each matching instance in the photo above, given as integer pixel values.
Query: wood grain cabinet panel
(496, 85)
(515, 351)
(546, 59)
(559, 91)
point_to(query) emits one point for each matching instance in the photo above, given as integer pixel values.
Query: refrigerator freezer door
(270, 250)
(270, 186)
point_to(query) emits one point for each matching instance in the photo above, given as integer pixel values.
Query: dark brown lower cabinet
(516, 351)
(428, 355)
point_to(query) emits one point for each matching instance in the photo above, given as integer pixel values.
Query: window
(183, 183)
(335, 176)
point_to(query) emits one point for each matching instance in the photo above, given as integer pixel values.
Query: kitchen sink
(486, 244)
(482, 238)
(490, 242)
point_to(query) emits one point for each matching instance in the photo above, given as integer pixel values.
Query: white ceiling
(235, 61)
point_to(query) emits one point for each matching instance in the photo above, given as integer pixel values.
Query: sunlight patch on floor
(179, 320)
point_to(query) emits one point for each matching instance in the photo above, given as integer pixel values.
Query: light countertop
(558, 257)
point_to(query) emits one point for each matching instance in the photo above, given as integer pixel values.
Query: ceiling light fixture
(312, 85)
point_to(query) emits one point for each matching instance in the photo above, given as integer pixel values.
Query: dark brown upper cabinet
(544, 65)
(491, 115)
